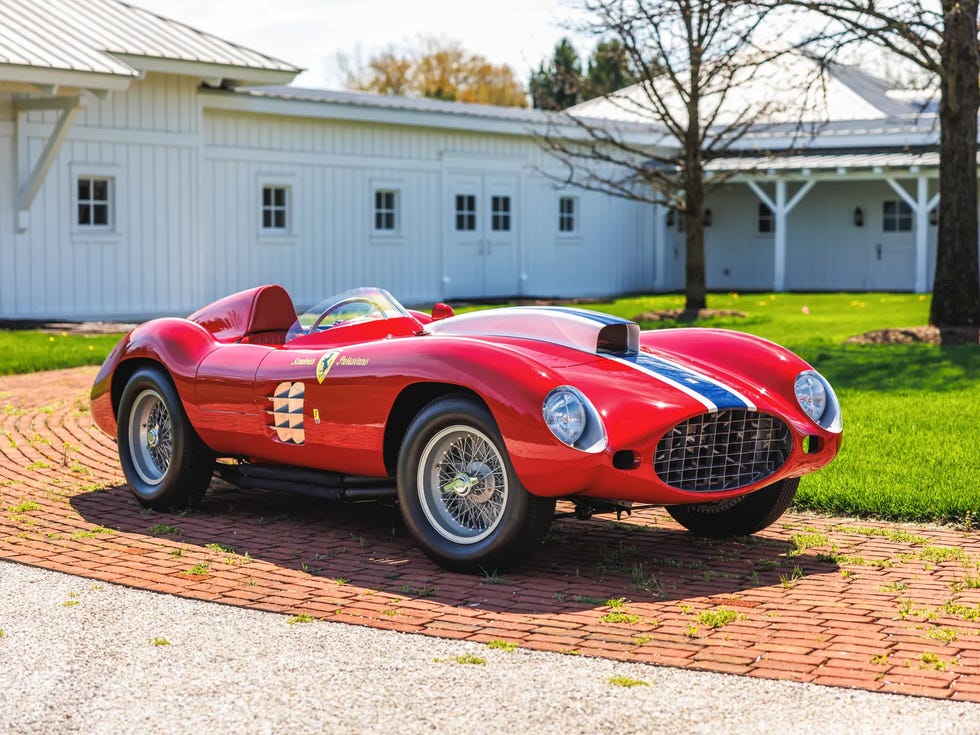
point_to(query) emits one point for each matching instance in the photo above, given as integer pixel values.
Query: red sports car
(477, 422)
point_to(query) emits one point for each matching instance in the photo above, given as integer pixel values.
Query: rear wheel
(459, 495)
(166, 464)
(739, 516)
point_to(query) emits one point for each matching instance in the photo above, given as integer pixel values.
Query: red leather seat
(272, 315)
(261, 315)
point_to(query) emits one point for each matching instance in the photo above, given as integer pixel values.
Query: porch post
(779, 264)
(921, 206)
(780, 209)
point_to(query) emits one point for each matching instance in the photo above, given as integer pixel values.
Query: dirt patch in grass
(687, 315)
(918, 335)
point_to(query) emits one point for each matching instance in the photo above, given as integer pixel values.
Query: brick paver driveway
(825, 600)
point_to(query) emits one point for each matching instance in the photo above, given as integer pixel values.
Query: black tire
(467, 512)
(166, 464)
(740, 516)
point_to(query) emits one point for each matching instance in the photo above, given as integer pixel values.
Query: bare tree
(941, 38)
(692, 57)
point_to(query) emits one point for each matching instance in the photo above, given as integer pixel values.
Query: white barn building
(147, 168)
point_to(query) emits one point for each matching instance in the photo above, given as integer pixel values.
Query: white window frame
(394, 211)
(901, 218)
(112, 231)
(383, 236)
(472, 215)
(765, 214)
(276, 235)
(572, 216)
(502, 216)
(273, 208)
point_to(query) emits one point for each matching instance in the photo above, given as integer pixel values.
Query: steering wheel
(352, 310)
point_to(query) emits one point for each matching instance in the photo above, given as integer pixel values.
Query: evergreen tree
(556, 85)
(608, 70)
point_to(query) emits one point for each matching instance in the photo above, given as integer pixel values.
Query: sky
(311, 33)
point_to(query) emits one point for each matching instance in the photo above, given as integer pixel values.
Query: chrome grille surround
(722, 451)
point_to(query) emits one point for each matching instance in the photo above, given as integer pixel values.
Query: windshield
(355, 305)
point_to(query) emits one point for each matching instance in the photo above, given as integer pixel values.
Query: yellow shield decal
(324, 364)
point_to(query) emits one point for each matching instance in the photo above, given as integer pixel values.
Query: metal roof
(410, 104)
(112, 37)
(824, 161)
(785, 89)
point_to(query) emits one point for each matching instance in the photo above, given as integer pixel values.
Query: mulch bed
(918, 335)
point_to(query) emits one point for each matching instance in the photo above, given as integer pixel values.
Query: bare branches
(695, 57)
(648, 142)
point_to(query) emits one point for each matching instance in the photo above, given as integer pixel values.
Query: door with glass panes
(482, 258)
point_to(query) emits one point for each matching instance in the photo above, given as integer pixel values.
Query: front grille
(722, 451)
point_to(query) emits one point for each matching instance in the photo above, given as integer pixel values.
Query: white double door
(482, 259)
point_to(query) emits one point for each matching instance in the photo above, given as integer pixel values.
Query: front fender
(748, 361)
(177, 345)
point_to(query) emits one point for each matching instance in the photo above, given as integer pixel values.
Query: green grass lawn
(29, 352)
(909, 411)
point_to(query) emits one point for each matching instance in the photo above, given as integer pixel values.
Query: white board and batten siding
(332, 169)
(147, 139)
(187, 211)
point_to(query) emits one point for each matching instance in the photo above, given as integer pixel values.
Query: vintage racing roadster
(478, 422)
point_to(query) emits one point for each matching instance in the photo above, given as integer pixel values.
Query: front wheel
(459, 495)
(739, 516)
(166, 464)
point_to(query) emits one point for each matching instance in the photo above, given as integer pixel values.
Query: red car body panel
(351, 377)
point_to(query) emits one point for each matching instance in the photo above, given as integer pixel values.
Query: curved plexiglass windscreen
(355, 305)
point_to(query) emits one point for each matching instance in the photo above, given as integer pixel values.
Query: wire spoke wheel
(151, 437)
(165, 462)
(462, 484)
(461, 499)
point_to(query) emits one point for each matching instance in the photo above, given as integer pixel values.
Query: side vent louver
(287, 412)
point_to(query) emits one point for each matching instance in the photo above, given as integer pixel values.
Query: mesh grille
(722, 451)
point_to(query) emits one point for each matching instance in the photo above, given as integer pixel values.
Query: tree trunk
(694, 281)
(956, 289)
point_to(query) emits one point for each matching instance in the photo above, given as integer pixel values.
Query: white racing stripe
(709, 392)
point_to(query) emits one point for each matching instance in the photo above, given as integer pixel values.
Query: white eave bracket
(27, 191)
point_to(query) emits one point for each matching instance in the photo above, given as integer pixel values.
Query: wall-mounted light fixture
(858, 217)
(934, 216)
(707, 218)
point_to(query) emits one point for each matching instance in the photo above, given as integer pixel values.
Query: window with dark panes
(465, 212)
(566, 214)
(896, 216)
(767, 220)
(94, 201)
(500, 214)
(275, 207)
(386, 210)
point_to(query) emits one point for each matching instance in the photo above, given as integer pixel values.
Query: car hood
(693, 369)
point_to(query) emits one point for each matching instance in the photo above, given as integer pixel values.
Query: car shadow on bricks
(249, 545)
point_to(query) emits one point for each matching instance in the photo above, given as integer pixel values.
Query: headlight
(564, 412)
(817, 399)
(573, 419)
(811, 394)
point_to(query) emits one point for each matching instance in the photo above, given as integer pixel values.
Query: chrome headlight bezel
(591, 436)
(817, 400)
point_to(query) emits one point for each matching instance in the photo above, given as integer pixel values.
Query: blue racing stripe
(718, 394)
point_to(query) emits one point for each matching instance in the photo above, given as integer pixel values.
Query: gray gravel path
(78, 656)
